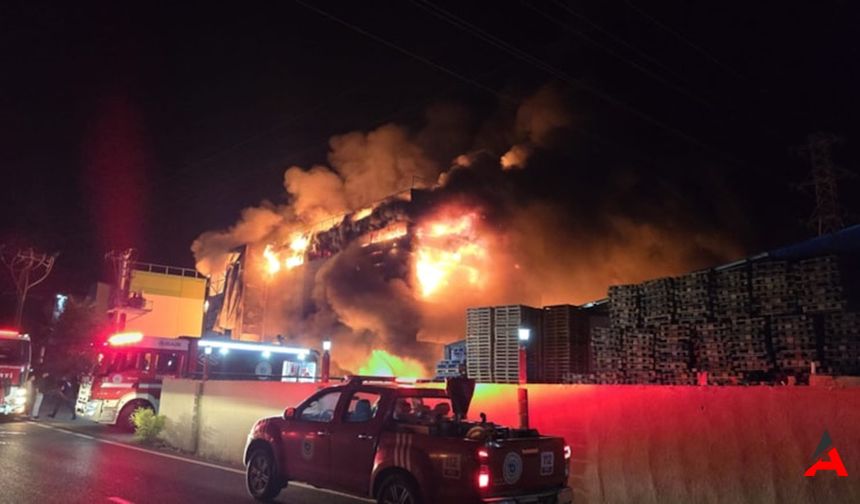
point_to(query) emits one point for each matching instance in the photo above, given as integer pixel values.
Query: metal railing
(167, 270)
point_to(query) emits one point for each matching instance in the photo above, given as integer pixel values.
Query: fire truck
(15, 354)
(375, 438)
(130, 368)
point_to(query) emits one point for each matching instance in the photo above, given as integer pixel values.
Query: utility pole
(122, 264)
(28, 268)
(827, 217)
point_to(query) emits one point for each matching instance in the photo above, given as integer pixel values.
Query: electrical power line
(578, 83)
(679, 89)
(668, 29)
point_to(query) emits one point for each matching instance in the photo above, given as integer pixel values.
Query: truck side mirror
(289, 413)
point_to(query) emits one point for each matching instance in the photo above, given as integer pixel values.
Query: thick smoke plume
(486, 232)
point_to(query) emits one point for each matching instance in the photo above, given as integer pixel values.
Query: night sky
(145, 126)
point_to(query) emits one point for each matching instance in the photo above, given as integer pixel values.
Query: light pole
(523, 335)
(326, 361)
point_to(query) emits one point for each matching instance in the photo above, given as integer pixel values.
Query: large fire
(448, 247)
(272, 262)
(295, 254)
(382, 363)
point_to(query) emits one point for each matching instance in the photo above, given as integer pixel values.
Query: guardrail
(167, 270)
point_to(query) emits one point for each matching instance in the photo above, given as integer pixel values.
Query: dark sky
(144, 126)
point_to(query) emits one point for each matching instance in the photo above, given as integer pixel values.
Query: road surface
(46, 463)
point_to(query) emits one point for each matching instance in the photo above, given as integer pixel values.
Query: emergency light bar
(10, 333)
(234, 345)
(128, 338)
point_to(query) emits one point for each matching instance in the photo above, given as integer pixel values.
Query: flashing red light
(483, 455)
(567, 452)
(484, 477)
(129, 338)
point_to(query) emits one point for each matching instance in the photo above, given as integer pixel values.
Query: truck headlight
(19, 395)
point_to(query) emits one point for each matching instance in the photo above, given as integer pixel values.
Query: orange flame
(448, 248)
(382, 363)
(298, 245)
(391, 232)
(361, 214)
(273, 263)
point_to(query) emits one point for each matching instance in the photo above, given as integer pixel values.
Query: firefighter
(42, 385)
(64, 395)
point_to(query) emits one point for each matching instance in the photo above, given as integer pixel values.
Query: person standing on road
(65, 396)
(42, 386)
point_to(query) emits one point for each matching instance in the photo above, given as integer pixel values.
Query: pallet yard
(751, 322)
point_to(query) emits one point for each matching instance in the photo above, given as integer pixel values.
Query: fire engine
(404, 443)
(14, 370)
(131, 367)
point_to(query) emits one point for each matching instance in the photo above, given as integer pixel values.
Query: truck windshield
(422, 410)
(14, 352)
(115, 362)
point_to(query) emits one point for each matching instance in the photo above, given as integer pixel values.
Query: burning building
(387, 273)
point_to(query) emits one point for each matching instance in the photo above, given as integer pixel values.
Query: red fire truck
(130, 368)
(372, 437)
(14, 370)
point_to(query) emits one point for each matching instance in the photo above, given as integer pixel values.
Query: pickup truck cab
(404, 444)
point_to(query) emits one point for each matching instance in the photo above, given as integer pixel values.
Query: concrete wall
(644, 444)
(225, 412)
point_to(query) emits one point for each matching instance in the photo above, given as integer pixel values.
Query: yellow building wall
(176, 304)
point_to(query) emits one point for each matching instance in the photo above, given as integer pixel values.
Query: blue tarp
(844, 242)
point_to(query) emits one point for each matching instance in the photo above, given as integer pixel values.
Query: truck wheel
(261, 476)
(398, 489)
(123, 420)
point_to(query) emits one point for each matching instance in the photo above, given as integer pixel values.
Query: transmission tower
(827, 217)
(28, 268)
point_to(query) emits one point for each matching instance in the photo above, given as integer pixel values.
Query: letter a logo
(833, 462)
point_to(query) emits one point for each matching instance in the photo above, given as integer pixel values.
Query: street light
(523, 335)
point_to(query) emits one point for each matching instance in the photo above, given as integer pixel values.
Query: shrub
(147, 425)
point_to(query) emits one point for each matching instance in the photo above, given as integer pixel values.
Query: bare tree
(28, 268)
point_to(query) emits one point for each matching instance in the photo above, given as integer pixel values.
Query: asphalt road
(46, 463)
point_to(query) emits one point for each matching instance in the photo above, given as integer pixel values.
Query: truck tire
(398, 489)
(123, 420)
(261, 475)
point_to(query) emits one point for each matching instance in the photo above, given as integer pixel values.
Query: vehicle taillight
(483, 455)
(566, 452)
(484, 477)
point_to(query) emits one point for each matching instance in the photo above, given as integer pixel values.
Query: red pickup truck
(404, 444)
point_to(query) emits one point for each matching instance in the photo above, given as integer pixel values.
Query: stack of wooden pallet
(748, 346)
(819, 285)
(732, 294)
(658, 302)
(624, 309)
(693, 296)
(607, 355)
(639, 356)
(842, 343)
(558, 336)
(507, 322)
(673, 354)
(711, 353)
(773, 288)
(479, 344)
(793, 338)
